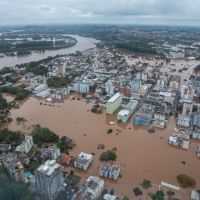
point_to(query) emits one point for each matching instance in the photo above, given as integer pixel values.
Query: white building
(109, 87)
(110, 171)
(26, 145)
(113, 103)
(93, 188)
(81, 87)
(83, 161)
(176, 53)
(40, 88)
(184, 120)
(127, 111)
(54, 152)
(49, 179)
(109, 197)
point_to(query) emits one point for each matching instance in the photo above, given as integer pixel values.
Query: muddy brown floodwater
(140, 154)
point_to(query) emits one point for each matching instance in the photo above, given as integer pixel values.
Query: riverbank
(82, 44)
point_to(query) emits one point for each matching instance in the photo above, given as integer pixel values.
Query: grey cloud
(101, 11)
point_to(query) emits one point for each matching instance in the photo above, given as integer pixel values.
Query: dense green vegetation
(4, 110)
(10, 190)
(108, 155)
(96, 109)
(19, 92)
(136, 46)
(160, 195)
(36, 68)
(43, 135)
(3, 103)
(20, 120)
(11, 137)
(125, 198)
(23, 53)
(65, 144)
(137, 191)
(186, 181)
(25, 46)
(146, 184)
(57, 82)
(7, 70)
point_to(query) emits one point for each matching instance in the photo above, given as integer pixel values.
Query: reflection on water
(83, 43)
(141, 155)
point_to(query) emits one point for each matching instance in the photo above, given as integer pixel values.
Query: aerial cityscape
(102, 106)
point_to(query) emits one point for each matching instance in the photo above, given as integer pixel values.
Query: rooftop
(49, 167)
(114, 98)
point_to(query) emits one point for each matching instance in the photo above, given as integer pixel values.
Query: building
(144, 89)
(109, 197)
(195, 134)
(160, 113)
(127, 111)
(174, 82)
(183, 120)
(180, 138)
(135, 85)
(81, 87)
(196, 120)
(49, 180)
(113, 103)
(109, 88)
(83, 161)
(110, 171)
(52, 153)
(93, 188)
(14, 167)
(5, 147)
(195, 195)
(144, 116)
(187, 108)
(40, 88)
(176, 53)
(26, 145)
(198, 151)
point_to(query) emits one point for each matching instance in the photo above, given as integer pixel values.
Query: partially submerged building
(113, 103)
(49, 180)
(144, 116)
(198, 151)
(83, 161)
(180, 138)
(92, 188)
(110, 171)
(26, 145)
(14, 166)
(127, 111)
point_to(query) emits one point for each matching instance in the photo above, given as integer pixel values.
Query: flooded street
(174, 67)
(82, 44)
(140, 154)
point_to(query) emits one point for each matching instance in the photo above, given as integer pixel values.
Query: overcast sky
(181, 12)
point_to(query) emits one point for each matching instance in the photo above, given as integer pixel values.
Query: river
(82, 44)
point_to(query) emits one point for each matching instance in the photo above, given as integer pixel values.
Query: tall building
(109, 87)
(14, 167)
(49, 180)
(92, 188)
(26, 145)
(113, 103)
(82, 87)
